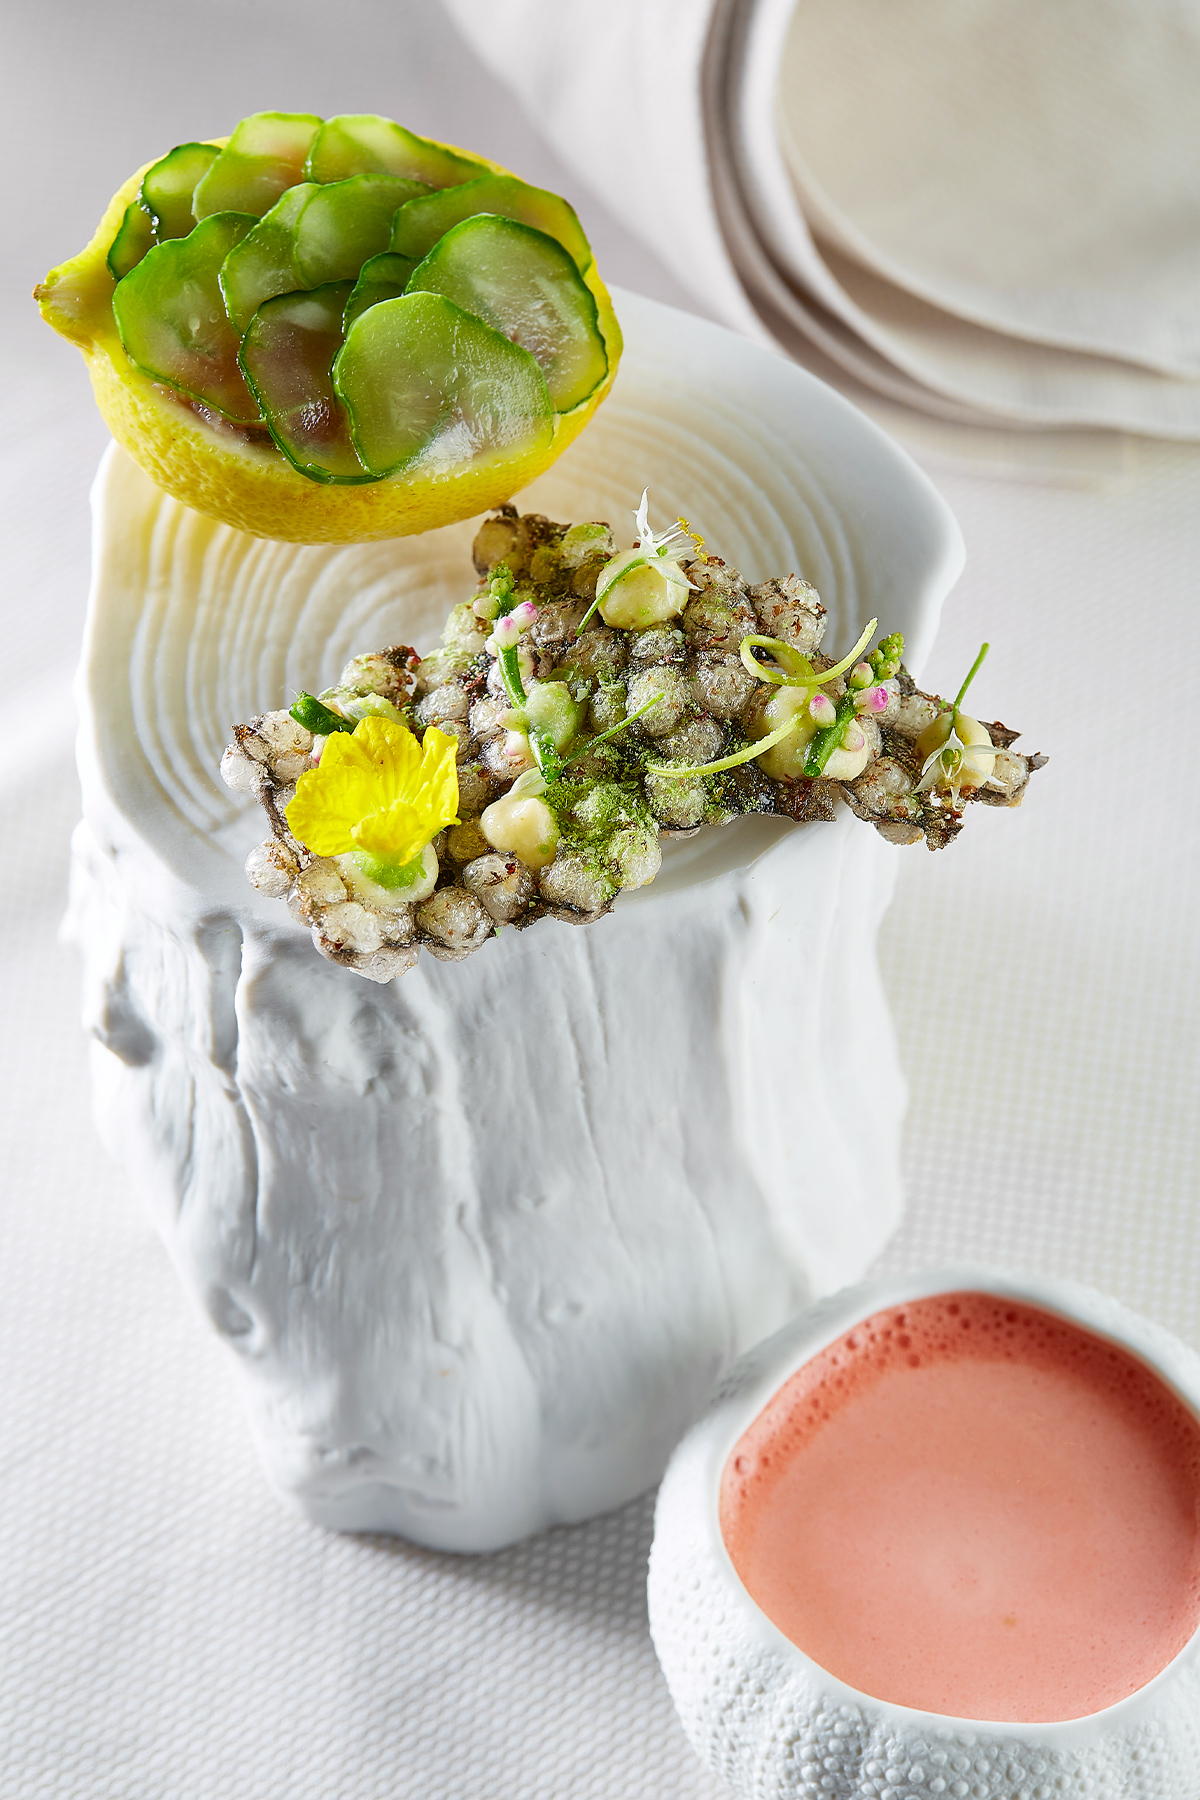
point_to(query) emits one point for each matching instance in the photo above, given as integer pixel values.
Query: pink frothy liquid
(976, 1508)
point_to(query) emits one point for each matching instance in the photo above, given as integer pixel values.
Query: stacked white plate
(988, 211)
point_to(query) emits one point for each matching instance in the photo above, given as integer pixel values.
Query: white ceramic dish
(773, 1723)
(483, 1238)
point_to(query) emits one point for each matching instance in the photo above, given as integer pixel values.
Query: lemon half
(223, 471)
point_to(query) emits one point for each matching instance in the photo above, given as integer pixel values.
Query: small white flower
(947, 766)
(645, 586)
(664, 543)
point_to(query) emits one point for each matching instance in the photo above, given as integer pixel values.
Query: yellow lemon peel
(378, 789)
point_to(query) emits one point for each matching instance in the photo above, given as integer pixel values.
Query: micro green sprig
(887, 656)
(866, 692)
(966, 751)
(787, 668)
(513, 618)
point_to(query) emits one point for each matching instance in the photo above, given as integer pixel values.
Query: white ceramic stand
(484, 1238)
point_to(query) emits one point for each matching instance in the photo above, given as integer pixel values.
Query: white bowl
(773, 1723)
(483, 1239)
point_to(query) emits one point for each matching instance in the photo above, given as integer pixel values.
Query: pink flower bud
(874, 700)
(506, 632)
(524, 614)
(822, 710)
(861, 675)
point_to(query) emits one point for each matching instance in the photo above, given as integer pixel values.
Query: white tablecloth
(167, 1632)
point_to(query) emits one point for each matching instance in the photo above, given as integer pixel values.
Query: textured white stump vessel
(776, 1726)
(483, 1239)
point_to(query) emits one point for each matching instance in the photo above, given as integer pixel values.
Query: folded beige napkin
(1030, 167)
(987, 209)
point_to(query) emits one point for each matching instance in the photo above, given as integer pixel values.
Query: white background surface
(165, 1630)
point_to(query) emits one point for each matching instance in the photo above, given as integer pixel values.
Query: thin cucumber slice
(431, 390)
(286, 357)
(381, 278)
(345, 222)
(365, 144)
(263, 265)
(422, 222)
(264, 156)
(173, 322)
(168, 187)
(524, 284)
(135, 235)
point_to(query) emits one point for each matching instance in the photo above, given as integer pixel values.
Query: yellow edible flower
(377, 789)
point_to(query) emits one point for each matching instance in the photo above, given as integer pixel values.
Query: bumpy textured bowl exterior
(773, 1724)
(253, 487)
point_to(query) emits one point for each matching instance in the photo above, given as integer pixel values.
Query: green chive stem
(847, 662)
(973, 671)
(587, 615)
(757, 748)
(510, 670)
(781, 674)
(612, 731)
